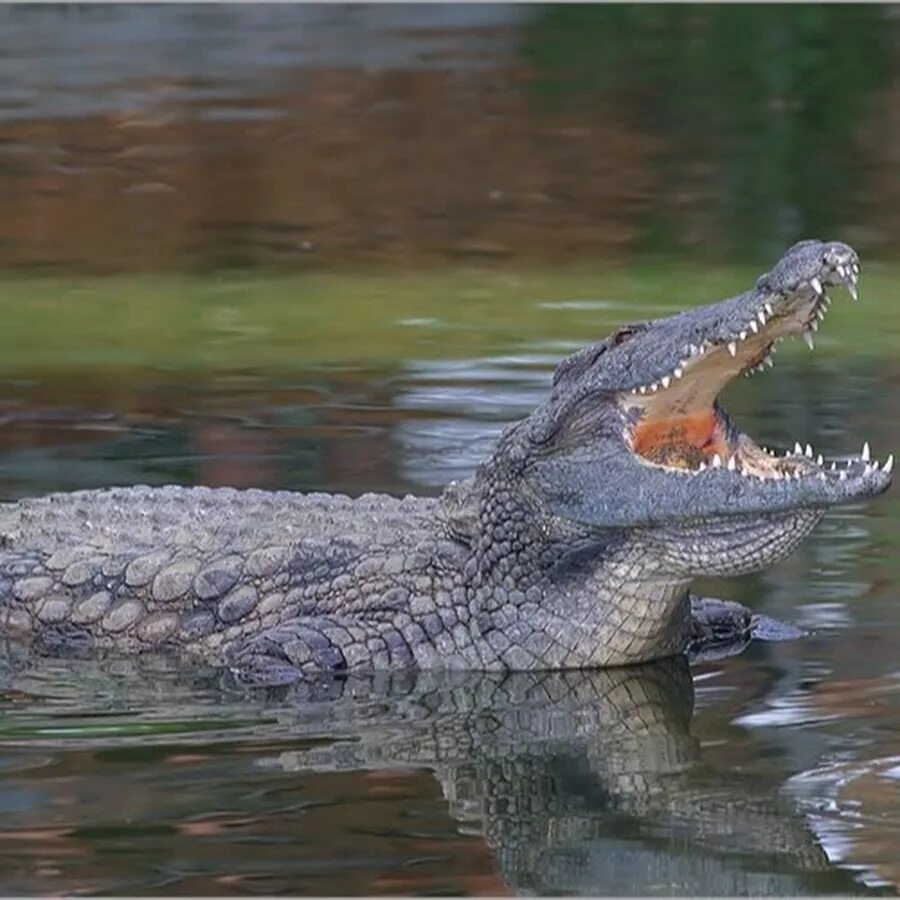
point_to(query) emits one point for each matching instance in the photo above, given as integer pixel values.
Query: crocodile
(574, 545)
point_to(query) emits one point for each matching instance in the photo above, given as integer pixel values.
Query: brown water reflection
(206, 136)
(431, 154)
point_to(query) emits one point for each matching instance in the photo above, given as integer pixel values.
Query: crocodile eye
(624, 333)
(580, 363)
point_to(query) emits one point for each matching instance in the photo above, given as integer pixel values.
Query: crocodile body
(572, 546)
(372, 582)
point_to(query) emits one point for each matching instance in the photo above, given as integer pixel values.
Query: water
(187, 298)
(579, 782)
(784, 780)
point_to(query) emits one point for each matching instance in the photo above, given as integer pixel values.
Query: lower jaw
(750, 543)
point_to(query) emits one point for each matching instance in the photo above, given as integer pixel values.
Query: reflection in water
(574, 778)
(240, 135)
(151, 136)
(737, 95)
(580, 782)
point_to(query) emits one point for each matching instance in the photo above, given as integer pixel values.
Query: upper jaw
(741, 333)
(736, 337)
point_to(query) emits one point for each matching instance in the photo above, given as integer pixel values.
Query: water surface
(783, 779)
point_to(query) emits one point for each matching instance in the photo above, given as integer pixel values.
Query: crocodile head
(634, 435)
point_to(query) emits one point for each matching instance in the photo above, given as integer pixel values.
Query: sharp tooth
(798, 450)
(701, 467)
(819, 460)
(666, 381)
(816, 285)
(820, 314)
(814, 325)
(762, 317)
(842, 476)
(643, 388)
(678, 372)
(732, 463)
(808, 340)
(716, 461)
(808, 451)
(855, 267)
(888, 464)
(866, 453)
(732, 348)
(743, 335)
(653, 387)
(769, 361)
(834, 467)
(851, 289)
(754, 327)
(842, 271)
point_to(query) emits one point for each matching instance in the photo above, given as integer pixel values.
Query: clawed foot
(721, 628)
(283, 655)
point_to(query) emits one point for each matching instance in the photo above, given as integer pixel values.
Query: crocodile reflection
(579, 781)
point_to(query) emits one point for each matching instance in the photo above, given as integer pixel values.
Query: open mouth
(676, 422)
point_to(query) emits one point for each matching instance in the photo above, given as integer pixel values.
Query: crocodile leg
(721, 628)
(311, 645)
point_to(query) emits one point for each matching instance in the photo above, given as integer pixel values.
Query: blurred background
(341, 246)
(197, 137)
(200, 202)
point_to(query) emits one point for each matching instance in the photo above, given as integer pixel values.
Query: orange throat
(681, 440)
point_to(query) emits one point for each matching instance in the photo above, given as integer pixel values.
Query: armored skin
(573, 546)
